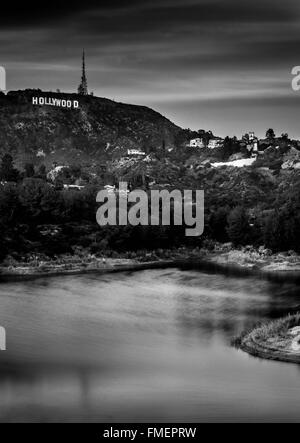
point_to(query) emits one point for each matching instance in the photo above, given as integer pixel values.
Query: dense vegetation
(256, 205)
(243, 206)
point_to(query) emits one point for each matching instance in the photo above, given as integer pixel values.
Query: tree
(238, 226)
(75, 171)
(40, 200)
(9, 204)
(218, 224)
(246, 138)
(41, 173)
(9, 218)
(282, 227)
(8, 172)
(231, 146)
(29, 170)
(270, 134)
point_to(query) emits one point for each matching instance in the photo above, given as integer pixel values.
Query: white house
(135, 152)
(73, 187)
(40, 153)
(197, 143)
(252, 146)
(215, 143)
(251, 136)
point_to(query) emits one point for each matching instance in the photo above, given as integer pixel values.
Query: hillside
(99, 130)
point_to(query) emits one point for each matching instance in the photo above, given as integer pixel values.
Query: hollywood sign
(60, 103)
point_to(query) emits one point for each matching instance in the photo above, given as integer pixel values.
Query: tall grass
(276, 328)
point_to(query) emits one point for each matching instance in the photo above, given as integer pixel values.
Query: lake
(147, 346)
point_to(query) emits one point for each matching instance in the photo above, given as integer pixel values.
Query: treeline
(277, 229)
(37, 216)
(257, 215)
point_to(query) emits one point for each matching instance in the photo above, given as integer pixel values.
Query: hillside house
(135, 152)
(252, 145)
(215, 142)
(251, 135)
(197, 143)
(73, 187)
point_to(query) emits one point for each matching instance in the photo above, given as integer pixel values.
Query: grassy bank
(277, 340)
(217, 257)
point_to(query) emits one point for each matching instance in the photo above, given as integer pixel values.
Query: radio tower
(83, 87)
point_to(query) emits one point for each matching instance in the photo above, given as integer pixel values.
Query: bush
(238, 229)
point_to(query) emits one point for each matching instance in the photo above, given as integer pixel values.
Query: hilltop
(99, 131)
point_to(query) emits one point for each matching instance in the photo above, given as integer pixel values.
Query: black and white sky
(223, 65)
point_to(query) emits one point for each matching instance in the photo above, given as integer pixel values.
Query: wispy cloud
(175, 55)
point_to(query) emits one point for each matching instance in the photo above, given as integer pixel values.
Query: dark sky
(223, 65)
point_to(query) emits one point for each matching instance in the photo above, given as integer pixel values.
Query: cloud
(152, 13)
(197, 51)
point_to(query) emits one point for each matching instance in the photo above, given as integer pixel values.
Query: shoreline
(278, 340)
(232, 262)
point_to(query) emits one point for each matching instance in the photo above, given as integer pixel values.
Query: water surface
(145, 346)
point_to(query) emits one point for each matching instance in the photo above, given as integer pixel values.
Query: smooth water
(142, 346)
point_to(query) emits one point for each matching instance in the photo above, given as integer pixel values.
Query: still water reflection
(146, 346)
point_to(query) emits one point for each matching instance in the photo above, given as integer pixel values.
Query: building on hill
(252, 143)
(215, 142)
(251, 135)
(73, 187)
(197, 143)
(135, 152)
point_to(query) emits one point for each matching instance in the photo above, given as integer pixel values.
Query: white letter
(34, 100)
(133, 434)
(76, 104)
(296, 80)
(2, 79)
(188, 213)
(123, 204)
(150, 431)
(109, 207)
(140, 207)
(165, 197)
(2, 339)
(191, 432)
